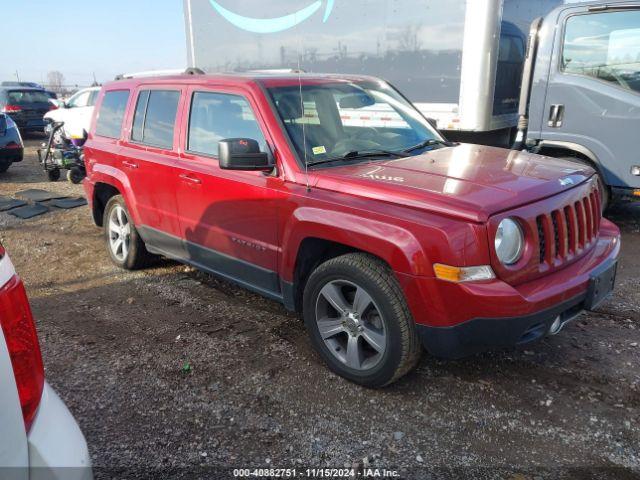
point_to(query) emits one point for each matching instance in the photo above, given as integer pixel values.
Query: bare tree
(56, 81)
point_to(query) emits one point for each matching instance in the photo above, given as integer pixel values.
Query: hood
(469, 181)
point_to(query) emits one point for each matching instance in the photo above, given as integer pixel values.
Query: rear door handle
(190, 179)
(129, 164)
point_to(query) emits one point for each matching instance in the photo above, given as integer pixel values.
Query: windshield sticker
(319, 150)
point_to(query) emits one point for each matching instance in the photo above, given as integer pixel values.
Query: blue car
(11, 146)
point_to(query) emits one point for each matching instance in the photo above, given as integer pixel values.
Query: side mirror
(433, 122)
(243, 154)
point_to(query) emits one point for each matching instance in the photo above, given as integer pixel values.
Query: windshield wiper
(356, 155)
(429, 143)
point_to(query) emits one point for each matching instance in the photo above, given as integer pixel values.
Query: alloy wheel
(119, 233)
(351, 324)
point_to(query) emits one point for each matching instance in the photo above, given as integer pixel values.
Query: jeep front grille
(566, 232)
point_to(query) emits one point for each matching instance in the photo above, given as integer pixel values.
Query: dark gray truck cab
(581, 90)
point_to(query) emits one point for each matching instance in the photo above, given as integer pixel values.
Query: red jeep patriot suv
(335, 196)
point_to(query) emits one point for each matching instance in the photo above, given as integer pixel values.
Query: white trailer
(459, 61)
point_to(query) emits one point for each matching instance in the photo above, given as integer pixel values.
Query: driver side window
(604, 46)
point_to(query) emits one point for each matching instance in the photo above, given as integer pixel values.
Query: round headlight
(509, 241)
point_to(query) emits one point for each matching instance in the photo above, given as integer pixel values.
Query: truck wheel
(4, 166)
(359, 321)
(75, 175)
(124, 244)
(53, 175)
(605, 192)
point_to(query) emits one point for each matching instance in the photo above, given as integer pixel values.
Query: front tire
(359, 321)
(123, 242)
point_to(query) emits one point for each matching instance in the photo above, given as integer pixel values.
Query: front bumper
(57, 448)
(482, 334)
(457, 320)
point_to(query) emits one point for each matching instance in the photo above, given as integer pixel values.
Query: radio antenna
(303, 118)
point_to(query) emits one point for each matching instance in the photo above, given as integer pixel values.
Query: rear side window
(155, 117)
(114, 105)
(218, 116)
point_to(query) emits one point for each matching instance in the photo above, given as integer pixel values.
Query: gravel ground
(174, 374)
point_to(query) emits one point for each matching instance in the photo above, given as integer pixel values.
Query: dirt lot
(172, 373)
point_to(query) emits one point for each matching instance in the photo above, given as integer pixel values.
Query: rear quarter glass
(111, 114)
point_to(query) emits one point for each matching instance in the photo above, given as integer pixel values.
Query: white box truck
(459, 61)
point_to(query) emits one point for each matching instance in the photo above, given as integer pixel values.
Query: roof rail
(277, 71)
(156, 73)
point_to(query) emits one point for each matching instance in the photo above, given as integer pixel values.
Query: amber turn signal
(463, 274)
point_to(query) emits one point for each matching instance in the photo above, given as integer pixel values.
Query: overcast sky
(80, 37)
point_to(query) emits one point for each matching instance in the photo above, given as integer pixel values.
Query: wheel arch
(106, 184)
(312, 241)
(559, 149)
(312, 252)
(102, 193)
(570, 149)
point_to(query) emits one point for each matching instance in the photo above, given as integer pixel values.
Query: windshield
(334, 120)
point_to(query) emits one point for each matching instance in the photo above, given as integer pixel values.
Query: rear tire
(4, 165)
(359, 322)
(125, 247)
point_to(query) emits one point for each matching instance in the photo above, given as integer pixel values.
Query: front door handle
(128, 164)
(190, 179)
(556, 116)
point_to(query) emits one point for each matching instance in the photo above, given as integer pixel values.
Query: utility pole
(17, 76)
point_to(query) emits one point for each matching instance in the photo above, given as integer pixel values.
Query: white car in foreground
(76, 112)
(39, 439)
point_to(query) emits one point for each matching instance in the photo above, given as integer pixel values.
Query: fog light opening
(556, 326)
